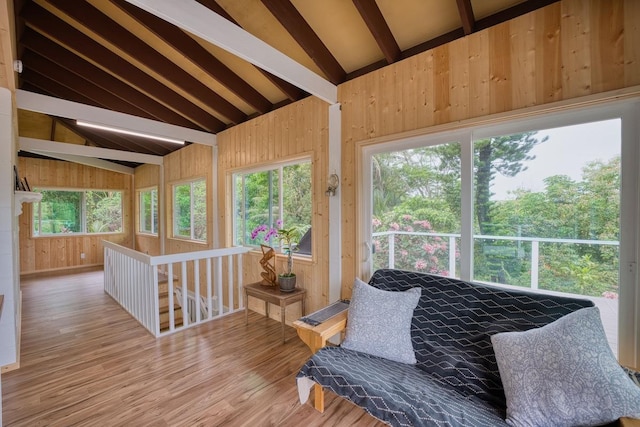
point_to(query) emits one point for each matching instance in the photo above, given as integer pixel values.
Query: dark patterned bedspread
(456, 380)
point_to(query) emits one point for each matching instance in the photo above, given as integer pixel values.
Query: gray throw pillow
(379, 322)
(564, 374)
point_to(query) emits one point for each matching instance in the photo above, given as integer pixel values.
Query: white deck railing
(132, 279)
(535, 247)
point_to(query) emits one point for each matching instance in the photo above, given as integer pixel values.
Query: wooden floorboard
(86, 362)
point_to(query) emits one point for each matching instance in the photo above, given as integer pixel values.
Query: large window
(149, 211)
(537, 204)
(67, 212)
(274, 197)
(190, 210)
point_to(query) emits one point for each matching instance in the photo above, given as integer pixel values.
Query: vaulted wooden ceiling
(111, 54)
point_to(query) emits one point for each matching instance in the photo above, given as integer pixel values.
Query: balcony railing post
(452, 256)
(535, 259)
(392, 250)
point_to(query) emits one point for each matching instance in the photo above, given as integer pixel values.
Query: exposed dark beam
(513, 12)
(75, 64)
(47, 23)
(495, 19)
(55, 89)
(112, 32)
(381, 32)
(466, 15)
(301, 31)
(41, 65)
(292, 92)
(197, 54)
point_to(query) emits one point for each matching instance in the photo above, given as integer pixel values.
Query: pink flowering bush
(428, 254)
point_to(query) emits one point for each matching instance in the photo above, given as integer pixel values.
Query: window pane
(149, 211)
(296, 183)
(182, 210)
(145, 211)
(261, 203)
(61, 212)
(416, 209)
(547, 212)
(103, 211)
(259, 195)
(199, 210)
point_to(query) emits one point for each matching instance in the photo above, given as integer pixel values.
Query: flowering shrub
(428, 254)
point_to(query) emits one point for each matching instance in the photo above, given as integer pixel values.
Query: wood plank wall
(297, 130)
(146, 177)
(566, 50)
(43, 254)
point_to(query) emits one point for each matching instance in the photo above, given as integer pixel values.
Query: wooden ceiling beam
(301, 31)
(56, 89)
(466, 16)
(44, 146)
(90, 137)
(47, 23)
(118, 36)
(372, 16)
(197, 54)
(512, 12)
(292, 92)
(196, 19)
(76, 82)
(73, 63)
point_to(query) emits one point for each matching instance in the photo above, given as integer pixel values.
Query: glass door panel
(416, 209)
(547, 212)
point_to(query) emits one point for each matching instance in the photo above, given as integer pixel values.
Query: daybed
(450, 376)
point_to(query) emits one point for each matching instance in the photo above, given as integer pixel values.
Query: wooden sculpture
(268, 263)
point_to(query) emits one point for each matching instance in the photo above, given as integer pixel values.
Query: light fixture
(332, 185)
(128, 132)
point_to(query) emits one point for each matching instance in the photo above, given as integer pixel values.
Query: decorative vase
(287, 283)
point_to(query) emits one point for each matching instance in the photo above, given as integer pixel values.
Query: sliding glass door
(540, 207)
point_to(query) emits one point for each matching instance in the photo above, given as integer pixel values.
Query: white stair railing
(132, 279)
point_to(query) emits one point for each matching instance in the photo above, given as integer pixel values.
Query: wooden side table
(273, 295)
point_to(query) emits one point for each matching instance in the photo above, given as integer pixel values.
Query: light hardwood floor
(86, 362)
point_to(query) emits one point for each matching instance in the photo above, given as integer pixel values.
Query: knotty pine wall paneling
(561, 52)
(43, 254)
(294, 131)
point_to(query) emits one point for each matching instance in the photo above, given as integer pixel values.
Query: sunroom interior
(548, 91)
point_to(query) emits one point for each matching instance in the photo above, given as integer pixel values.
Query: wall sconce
(332, 185)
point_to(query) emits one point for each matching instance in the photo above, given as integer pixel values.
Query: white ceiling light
(128, 132)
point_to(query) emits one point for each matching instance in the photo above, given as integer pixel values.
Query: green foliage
(188, 224)
(257, 197)
(416, 187)
(62, 211)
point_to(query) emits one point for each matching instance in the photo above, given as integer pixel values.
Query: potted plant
(289, 240)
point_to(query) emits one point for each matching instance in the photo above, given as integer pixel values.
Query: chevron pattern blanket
(455, 381)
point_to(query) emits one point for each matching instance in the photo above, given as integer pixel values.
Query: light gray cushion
(564, 374)
(379, 322)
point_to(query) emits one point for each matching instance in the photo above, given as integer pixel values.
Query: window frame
(174, 216)
(154, 204)
(279, 166)
(37, 206)
(628, 110)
